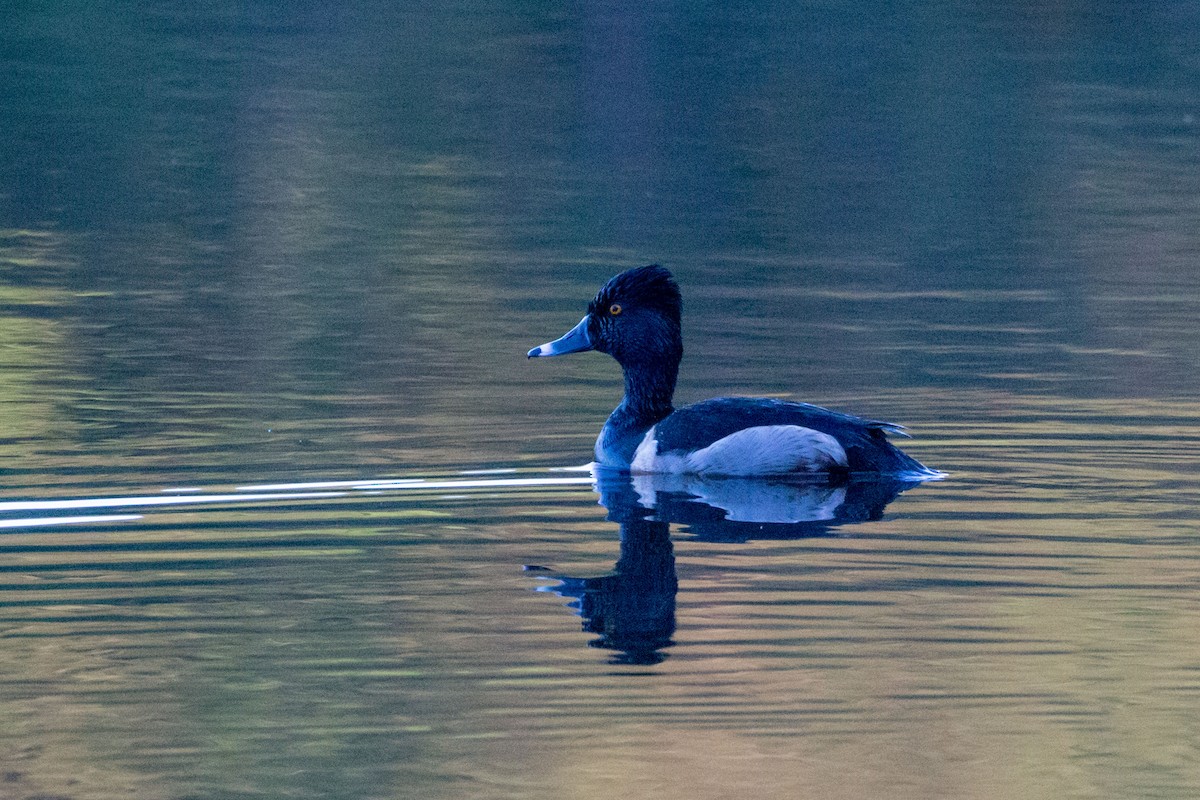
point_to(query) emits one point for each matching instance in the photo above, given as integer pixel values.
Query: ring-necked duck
(635, 319)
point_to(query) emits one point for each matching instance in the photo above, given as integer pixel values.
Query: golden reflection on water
(1025, 626)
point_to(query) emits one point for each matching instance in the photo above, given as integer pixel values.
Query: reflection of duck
(633, 608)
(635, 318)
(739, 509)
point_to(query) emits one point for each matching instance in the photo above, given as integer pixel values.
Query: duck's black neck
(648, 393)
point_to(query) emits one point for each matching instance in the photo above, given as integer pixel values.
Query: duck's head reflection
(633, 608)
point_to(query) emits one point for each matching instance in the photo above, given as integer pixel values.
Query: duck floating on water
(635, 318)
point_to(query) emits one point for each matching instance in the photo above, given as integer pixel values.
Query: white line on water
(424, 484)
(319, 485)
(129, 502)
(40, 522)
(276, 492)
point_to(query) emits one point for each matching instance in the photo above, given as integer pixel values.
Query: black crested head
(635, 319)
(648, 288)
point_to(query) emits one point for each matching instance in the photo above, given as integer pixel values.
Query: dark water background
(258, 262)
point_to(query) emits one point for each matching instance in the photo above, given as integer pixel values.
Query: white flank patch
(645, 458)
(764, 450)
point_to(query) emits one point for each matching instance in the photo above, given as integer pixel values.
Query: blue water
(287, 513)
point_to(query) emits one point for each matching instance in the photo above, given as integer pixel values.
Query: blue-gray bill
(575, 340)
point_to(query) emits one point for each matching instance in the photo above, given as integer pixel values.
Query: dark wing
(867, 448)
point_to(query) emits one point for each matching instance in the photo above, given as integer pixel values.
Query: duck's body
(636, 318)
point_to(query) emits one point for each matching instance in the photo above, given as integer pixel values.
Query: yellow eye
(614, 309)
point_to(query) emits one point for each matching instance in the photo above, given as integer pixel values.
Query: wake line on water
(260, 493)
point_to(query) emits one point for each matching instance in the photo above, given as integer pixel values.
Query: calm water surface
(286, 512)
